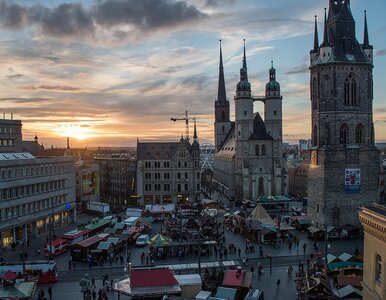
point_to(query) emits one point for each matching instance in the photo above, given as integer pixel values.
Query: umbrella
(159, 240)
(9, 276)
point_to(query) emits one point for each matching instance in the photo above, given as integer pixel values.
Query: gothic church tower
(222, 123)
(344, 164)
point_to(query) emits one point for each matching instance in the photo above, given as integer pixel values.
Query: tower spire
(316, 36)
(366, 43)
(244, 83)
(245, 58)
(221, 95)
(195, 131)
(326, 41)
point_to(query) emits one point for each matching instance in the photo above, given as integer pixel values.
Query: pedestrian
(50, 292)
(253, 271)
(93, 281)
(278, 282)
(304, 248)
(41, 294)
(121, 258)
(239, 250)
(244, 260)
(147, 259)
(142, 257)
(93, 295)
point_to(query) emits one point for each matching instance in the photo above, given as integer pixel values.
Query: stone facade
(248, 160)
(344, 162)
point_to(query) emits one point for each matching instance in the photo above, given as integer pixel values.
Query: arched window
(261, 187)
(359, 134)
(343, 134)
(351, 91)
(315, 136)
(378, 268)
(257, 150)
(314, 95)
(223, 128)
(223, 115)
(263, 150)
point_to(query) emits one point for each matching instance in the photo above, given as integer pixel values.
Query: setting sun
(76, 131)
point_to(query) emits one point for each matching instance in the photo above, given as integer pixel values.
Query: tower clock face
(314, 157)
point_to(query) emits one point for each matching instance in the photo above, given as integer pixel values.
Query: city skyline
(107, 72)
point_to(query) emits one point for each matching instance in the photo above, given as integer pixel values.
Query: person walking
(93, 295)
(142, 258)
(239, 250)
(50, 292)
(278, 283)
(304, 248)
(253, 271)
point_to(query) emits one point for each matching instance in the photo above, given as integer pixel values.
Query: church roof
(228, 147)
(259, 130)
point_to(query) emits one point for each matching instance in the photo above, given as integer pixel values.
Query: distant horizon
(95, 71)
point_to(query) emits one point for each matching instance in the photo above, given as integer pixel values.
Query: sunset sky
(105, 72)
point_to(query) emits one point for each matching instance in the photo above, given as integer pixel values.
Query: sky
(106, 72)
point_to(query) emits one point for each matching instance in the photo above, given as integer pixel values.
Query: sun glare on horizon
(79, 132)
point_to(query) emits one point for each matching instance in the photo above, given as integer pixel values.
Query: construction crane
(186, 119)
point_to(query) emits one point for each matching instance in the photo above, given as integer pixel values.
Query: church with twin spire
(249, 161)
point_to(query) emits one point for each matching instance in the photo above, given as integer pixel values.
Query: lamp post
(23, 256)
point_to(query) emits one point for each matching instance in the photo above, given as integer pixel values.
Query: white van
(142, 240)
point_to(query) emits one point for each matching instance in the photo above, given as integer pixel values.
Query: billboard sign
(352, 181)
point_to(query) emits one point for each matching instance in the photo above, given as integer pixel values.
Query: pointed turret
(326, 39)
(244, 83)
(221, 95)
(325, 51)
(366, 43)
(195, 131)
(195, 144)
(272, 85)
(316, 37)
(367, 48)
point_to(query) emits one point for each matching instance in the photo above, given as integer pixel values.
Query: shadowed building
(345, 164)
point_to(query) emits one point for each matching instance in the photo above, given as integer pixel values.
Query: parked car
(142, 240)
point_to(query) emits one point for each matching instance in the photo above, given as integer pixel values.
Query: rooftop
(151, 278)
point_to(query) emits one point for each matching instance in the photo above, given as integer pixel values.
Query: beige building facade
(373, 219)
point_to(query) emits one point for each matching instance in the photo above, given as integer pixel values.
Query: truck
(98, 208)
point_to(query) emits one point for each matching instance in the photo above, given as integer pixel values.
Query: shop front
(7, 238)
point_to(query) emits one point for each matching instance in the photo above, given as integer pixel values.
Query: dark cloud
(145, 14)
(26, 100)
(15, 76)
(65, 20)
(216, 3)
(298, 70)
(48, 87)
(381, 52)
(72, 19)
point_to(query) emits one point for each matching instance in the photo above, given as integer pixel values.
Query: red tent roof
(9, 276)
(154, 277)
(234, 279)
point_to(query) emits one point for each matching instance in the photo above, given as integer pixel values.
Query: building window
(315, 136)
(378, 268)
(186, 187)
(343, 134)
(223, 115)
(223, 128)
(359, 134)
(257, 150)
(351, 91)
(245, 112)
(261, 187)
(263, 150)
